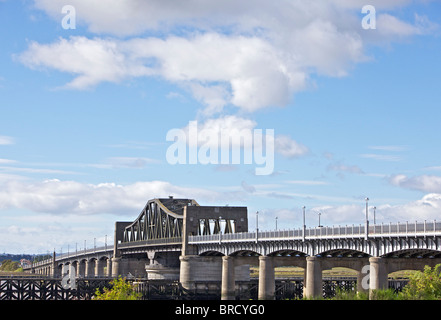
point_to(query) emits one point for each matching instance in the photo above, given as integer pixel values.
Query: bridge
(177, 239)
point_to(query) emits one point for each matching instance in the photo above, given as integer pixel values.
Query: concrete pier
(266, 278)
(377, 274)
(228, 279)
(313, 282)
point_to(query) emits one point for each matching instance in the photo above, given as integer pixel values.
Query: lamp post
(375, 208)
(257, 226)
(304, 225)
(276, 223)
(367, 219)
(319, 225)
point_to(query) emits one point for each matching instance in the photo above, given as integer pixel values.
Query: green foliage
(385, 294)
(9, 265)
(120, 290)
(424, 285)
(349, 295)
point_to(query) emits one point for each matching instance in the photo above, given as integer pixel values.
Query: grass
(294, 272)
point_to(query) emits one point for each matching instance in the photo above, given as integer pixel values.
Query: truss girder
(160, 218)
(214, 226)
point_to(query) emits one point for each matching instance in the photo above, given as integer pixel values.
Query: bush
(9, 265)
(424, 285)
(385, 294)
(120, 290)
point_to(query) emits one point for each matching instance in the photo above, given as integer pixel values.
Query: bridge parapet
(415, 229)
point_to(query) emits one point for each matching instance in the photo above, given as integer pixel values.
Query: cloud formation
(251, 54)
(6, 140)
(425, 183)
(235, 126)
(70, 197)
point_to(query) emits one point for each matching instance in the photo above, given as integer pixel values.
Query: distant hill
(18, 257)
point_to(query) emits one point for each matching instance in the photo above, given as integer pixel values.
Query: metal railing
(151, 242)
(349, 231)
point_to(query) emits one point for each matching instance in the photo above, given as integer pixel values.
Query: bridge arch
(287, 253)
(343, 253)
(244, 253)
(413, 253)
(211, 253)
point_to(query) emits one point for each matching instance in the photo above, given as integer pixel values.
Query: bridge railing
(83, 252)
(77, 253)
(151, 242)
(425, 228)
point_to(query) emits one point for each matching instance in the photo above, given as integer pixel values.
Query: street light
(276, 223)
(367, 219)
(367, 203)
(304, 225)
(375, 208)
(257, 226)
(257, 221)
(319, 225)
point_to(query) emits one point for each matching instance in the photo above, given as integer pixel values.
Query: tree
(120, 290)
(9, 265)
(424, 285)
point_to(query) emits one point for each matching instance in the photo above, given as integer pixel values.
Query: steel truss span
(160, 218)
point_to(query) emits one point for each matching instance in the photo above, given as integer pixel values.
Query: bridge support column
(228, 279)
(87, 268)
(186, 277)
(199, 269)
(266, 278)
(377, 275)
(313, 281)
(109, 267)
(81, 270)
(115, 266)
(99, 268)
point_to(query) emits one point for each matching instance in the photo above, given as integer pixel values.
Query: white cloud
(265, 53)
(70, 197)
(425, 183)
(381, 157)
(307, 182)
(132, 17)
(427, 208)
(128, 162)
(5, 140)
(389, 148)
(388, 25)
(7, 161)
(339, 167)
(235, 126)
(91, 60)
(289, 148)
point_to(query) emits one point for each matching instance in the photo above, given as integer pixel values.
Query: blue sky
(85, 112)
